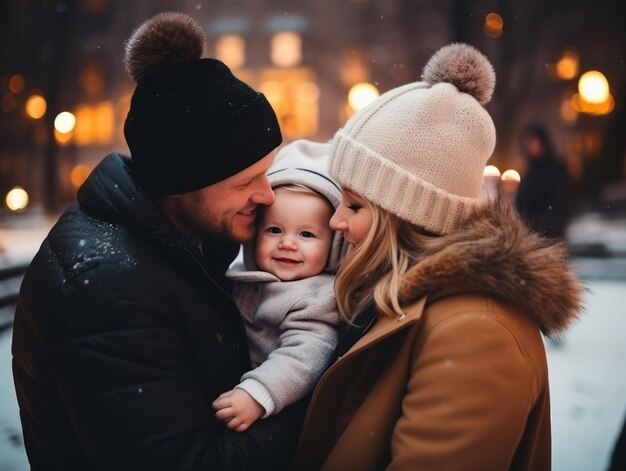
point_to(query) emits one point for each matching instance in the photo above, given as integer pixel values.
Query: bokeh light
(286, 49)
(36, 106)
(361, 95)
(593, 87)
(494, 25)
(511, 175)
(16, 84)
(65, 122)
(78, 175)
(567, 66)
(17, 199)
(491, 171)
(231, 49)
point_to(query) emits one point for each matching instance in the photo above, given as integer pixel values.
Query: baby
(285, 289)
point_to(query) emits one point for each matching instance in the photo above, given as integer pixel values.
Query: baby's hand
(237, 409)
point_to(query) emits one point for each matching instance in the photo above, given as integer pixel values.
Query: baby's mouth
(287, 261)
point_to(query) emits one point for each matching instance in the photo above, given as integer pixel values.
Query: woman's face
(353, 217)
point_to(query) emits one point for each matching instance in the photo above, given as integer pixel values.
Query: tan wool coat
(461, 382)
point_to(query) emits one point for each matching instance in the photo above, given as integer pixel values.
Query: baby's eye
(307, 234)
(354, 207)
(274, 230)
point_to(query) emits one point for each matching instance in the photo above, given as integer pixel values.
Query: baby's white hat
(305, 162)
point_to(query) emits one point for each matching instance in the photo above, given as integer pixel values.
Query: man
(125, 330)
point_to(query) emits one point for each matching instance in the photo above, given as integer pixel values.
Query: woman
(443, 365)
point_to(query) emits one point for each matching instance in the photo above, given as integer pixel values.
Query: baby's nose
(287, 243)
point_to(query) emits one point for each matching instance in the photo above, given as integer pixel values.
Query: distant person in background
(544, 196)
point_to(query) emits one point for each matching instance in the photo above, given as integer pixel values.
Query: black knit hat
(191, 122)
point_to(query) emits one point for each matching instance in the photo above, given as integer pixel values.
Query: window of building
(286, 49)
(231, 49)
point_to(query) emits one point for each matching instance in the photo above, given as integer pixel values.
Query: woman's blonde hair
(374, 270)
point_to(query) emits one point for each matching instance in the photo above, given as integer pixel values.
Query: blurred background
(64, 92)
(64, 95)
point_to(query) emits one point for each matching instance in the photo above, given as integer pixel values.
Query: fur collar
(495, 253)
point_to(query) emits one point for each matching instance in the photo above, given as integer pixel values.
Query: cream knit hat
(419, 150)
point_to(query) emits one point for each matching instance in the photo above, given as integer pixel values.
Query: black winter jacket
(124, 334)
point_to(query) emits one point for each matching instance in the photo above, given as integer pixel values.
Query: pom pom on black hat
(464, 67)
(191, 122)
(166, 38)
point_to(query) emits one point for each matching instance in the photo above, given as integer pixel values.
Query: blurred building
(317, 61)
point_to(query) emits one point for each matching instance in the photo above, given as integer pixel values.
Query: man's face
(226, 209)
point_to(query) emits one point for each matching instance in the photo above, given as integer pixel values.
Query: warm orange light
(91, 80)
(511, 175)
(308, 92)
(65, 122)
(95, 124)
(231, 49)
(78, 175)
(286, 49)
(567, 66)
(35, 106)
(491, 182)
(105, 121)
(294, 95)
(568, 112)
(494, 25)
(16, 199)
(276, 93)
(353, 67)
(607, 106)
(63, 138)
(85, 132)
(361, 95)
(593, 87)
(510, 181)
(582, 106)
(16, 84)
(491, 171)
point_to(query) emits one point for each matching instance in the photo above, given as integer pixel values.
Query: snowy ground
(12, 456)
(588, 381)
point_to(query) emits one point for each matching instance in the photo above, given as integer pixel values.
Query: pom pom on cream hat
(419, 150)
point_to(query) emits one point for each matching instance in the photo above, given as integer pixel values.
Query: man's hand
(237, 409)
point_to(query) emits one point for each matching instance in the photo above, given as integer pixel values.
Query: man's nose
(263, 194)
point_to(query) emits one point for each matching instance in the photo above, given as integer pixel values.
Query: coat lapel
(386, 326)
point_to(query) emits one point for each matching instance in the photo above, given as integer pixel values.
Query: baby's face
(294, 238)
